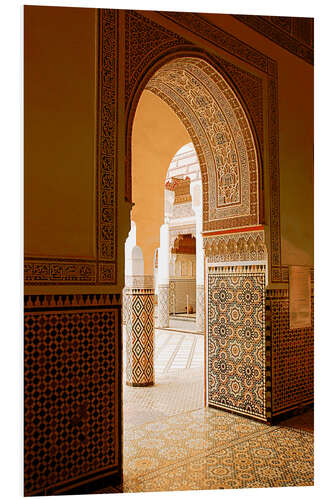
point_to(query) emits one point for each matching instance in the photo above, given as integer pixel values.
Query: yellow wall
(60, 131)
(60, 136)
(157, 136)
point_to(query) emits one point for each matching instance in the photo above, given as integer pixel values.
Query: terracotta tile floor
(172, 443)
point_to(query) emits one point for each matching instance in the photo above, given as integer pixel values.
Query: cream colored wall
(184, 266)
(60, 131)
(295, 94)
(157, 136)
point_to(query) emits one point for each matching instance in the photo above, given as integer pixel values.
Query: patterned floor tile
(179, 380)
(276, 458)
(165, 442)
(172, 443)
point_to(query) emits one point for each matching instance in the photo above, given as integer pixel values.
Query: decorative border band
(48, 271)
(139, 281)
(51, 301)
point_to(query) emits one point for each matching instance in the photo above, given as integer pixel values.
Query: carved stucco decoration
(176, 231)
(235, 247)
(251, 88)
(222, 137)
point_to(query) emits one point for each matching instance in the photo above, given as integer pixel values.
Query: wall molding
(54, 301)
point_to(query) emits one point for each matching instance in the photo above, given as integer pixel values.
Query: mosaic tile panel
(72, 411)
(292, 356)
(140, 337)
(236, 339)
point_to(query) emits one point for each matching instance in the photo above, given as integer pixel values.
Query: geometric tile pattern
(140, 337)
(292, 355)
(170, 445)
(71, 407)
(236, 340)
(125, 306)
(212, 449)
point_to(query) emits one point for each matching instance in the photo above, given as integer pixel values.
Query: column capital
(145, 281)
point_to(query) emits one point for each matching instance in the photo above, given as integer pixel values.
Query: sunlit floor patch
(179, 380)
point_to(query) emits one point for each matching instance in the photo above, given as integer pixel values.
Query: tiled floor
(172, 443)
(179, 380)
(211, 449)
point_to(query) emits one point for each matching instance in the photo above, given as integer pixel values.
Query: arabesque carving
(236, 247)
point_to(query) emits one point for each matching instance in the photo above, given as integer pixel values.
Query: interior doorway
(195, 188)
(178, 344)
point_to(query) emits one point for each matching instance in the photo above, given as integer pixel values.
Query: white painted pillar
(130, 243)
(200, 295)
(163, 278)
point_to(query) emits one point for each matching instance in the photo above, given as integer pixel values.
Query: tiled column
(140, 331)
(163, 306)
(200, 308)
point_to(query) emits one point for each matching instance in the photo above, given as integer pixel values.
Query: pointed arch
(221, 133)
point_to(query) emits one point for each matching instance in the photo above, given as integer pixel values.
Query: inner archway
(220, 132)
(183, 214)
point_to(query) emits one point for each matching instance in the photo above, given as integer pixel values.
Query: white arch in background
(182, 220)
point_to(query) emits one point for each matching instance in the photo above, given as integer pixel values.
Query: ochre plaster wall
(59, 131)
(295, 94)
(157, 136)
